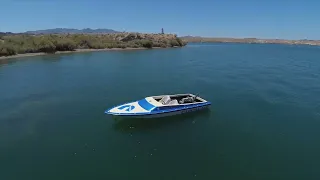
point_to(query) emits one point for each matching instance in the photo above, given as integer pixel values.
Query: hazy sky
(291, 19)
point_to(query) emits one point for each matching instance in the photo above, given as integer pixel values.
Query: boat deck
(155, 100)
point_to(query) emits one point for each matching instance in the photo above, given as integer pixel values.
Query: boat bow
(142, 106)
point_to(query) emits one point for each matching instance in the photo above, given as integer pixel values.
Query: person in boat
(188, 100)
(166, 100)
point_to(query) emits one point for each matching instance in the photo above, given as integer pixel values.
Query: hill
(72, 31)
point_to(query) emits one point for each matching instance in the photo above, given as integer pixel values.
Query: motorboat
(160, 106)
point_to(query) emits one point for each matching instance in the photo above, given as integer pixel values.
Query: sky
(283, 19)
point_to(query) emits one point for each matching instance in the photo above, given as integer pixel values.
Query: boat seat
(173, 102)
(165, 100)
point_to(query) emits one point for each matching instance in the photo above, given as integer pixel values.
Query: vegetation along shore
(19, 45)
(250, 40)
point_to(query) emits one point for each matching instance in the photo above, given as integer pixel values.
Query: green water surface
(263, 124)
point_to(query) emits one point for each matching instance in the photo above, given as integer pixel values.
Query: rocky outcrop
(130, 37)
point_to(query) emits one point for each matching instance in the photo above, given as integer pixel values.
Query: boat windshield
(145, 104)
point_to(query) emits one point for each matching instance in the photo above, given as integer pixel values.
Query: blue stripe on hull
(145, 104)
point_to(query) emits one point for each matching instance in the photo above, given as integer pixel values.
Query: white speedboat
(159, 106)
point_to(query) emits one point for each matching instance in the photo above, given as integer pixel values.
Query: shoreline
(192, 39)
(226, 42)
(77, 51)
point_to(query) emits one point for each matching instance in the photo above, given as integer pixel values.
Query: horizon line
(194, 36)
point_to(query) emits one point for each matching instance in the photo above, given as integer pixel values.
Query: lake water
(264, 121)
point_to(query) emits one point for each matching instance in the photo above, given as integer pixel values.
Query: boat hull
(164, 114)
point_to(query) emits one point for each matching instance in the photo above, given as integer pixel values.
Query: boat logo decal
(127, 107)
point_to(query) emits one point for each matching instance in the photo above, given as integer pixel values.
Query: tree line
(21, 44)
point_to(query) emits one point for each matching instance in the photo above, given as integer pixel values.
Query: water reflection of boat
(160, 106)
(140, 124)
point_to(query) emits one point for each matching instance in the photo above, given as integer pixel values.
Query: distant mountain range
(6, 33)
(71, 31)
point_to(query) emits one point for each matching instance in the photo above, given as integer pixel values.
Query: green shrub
(65, 45)
(147, 44)
(174, 43)
(120, 45)
(6, 50)
(179, 41)
(163, 45)
(110, 45)
(95, 45)
(46, 46)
